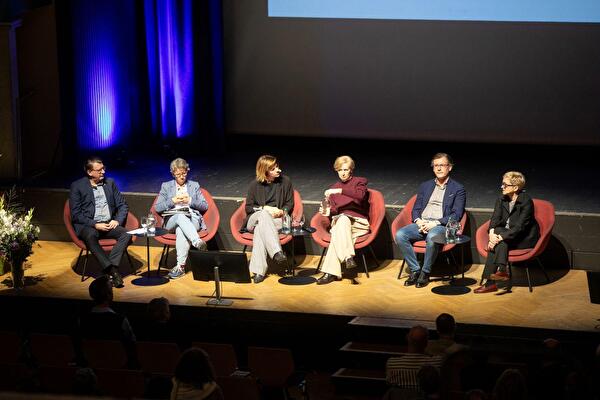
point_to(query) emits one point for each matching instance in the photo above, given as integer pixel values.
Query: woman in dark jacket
(268, 196)
(349, 211)
(513, 226)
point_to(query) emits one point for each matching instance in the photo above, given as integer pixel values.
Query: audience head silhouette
(194, 368)
(101, 290)
(417, 339)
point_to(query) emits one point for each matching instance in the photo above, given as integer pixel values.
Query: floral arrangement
(17, 232)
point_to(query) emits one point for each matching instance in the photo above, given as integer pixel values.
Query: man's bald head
(417, 339)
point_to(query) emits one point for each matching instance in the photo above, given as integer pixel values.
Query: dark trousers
(498, 257)
(91, 236)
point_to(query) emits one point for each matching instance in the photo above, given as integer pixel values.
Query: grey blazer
(198, 205)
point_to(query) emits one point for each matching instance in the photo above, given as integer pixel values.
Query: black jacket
(284, 196)
(523, 231)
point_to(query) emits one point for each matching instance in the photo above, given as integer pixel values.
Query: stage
(562, 305)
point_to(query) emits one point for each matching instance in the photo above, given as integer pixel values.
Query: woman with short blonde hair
(269, 196)
(348, 210)
(512, 226)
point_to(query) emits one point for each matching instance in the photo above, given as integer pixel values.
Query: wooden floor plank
(563, 304)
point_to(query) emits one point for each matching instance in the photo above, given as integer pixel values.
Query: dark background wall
(425, 80)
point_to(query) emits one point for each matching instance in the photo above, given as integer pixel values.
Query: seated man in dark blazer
(438, 200)
(98, 211)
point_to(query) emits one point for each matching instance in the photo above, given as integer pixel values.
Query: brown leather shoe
(500, 276)
(486, 289)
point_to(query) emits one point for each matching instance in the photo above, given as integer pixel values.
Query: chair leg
(374, 256)
(162, 254)
(78, 260)
(510, 279)
(321, 259)
(365, 263)
(543, 270)
(401, 269)
(133, 271)
(167, 258)
(85, 261)
(528, 279)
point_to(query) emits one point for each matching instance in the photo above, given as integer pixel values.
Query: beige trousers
(266, 240)
(344, 231)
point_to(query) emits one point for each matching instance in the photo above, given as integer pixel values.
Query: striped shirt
(402, 371)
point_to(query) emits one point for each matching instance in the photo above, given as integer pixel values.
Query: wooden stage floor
(563, 304)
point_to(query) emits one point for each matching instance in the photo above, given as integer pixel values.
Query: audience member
(102, 322)
(195, 378)
(402, 371)
(158, 325)
(510, 385)
(446, 329)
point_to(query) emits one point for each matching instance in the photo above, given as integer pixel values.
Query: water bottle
(286, 227)
(325, 206)
(451, 229)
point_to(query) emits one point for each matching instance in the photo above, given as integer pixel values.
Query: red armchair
(544, 215)
(376, 214)
(107, 244)
(211, 219)
(405, 218)
(238, 217)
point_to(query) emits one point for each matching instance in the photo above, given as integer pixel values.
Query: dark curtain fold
(145, 72)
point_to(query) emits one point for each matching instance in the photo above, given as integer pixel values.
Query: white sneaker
(200, 245)
(176, 272)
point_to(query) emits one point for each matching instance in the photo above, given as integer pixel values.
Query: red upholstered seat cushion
(519, 252)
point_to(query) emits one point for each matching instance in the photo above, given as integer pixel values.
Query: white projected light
(581, 11)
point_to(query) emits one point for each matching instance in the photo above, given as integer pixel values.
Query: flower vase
(18, 277)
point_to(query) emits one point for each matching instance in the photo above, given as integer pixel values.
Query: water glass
(151, 223)
(144, 222)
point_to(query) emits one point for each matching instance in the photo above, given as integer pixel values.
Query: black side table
(294, 279)
(149, 279)
(456, 286)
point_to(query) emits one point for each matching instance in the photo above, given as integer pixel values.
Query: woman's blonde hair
(516, 178)
(341, 160)
(264, 164)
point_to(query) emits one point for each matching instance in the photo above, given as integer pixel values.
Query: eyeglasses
(98, 170)
(505, 185)
(180, 174)
(440, 165)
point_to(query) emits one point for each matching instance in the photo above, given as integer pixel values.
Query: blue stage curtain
(140, 70)
(103, 71)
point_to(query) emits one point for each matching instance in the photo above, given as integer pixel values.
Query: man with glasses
(438, 200)
(98, 211)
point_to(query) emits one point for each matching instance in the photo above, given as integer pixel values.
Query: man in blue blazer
(98, 211)
(438, 200)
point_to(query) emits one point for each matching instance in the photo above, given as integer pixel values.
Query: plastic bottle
(286, 227)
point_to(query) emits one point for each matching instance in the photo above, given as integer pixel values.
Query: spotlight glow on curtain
(170, 66)
(101, 47)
